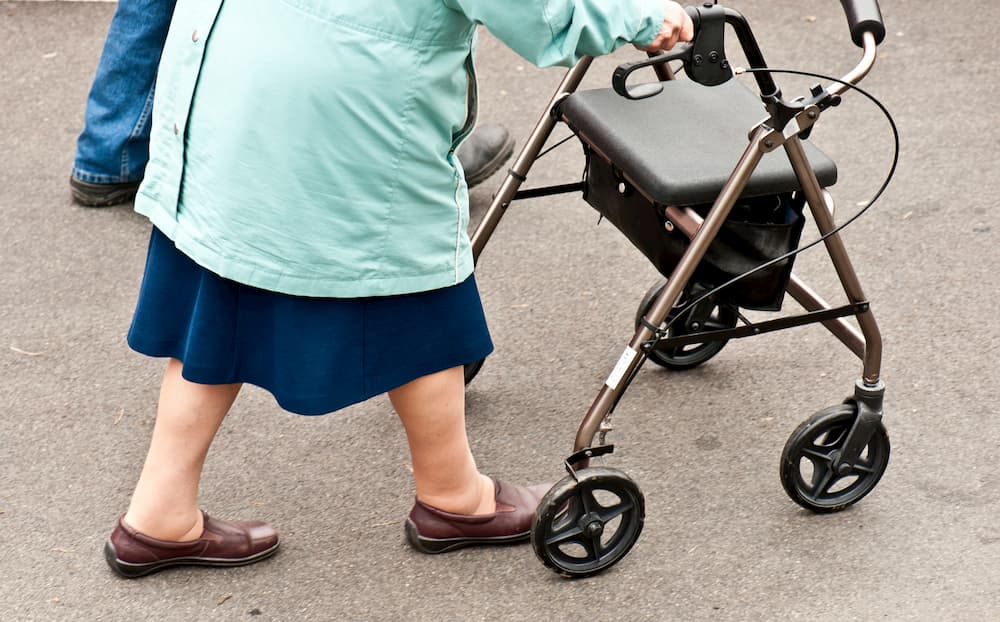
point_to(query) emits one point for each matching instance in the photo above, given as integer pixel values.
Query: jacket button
(194, 36)
(177, 130)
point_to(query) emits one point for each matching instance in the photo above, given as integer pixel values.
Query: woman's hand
(677, 26)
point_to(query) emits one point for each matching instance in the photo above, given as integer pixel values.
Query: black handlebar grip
(864, 16)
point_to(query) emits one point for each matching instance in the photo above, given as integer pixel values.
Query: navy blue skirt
(315, 355)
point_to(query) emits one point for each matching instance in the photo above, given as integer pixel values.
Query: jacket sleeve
(560, 32)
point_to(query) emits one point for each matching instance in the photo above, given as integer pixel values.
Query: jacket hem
(311, 286)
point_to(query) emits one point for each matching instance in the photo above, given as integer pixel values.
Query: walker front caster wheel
(705, 316)
(811, 470)
(586, 524)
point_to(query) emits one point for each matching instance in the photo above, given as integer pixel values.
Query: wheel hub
(592, 525)
(839, 467)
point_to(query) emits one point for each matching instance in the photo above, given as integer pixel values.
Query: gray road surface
(721, 541)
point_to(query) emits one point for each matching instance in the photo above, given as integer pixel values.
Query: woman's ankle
(172, 528)
(487, 496)
(478, 498)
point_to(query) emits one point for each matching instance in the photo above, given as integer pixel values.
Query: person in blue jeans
(112, 150)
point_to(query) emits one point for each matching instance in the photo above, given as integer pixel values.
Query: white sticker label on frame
(619, 371)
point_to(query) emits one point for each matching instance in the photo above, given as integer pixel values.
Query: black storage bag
(757, 230)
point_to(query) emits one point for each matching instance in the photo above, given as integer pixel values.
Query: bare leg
(165, 502)
(432, 409)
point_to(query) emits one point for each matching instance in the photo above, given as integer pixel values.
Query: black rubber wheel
(807, 460)
(586, 525)
(471, 369)
(691, 355)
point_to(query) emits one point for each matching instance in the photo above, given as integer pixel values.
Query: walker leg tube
(872, 359)
(532, 147)
(841, 329)
(631, 359)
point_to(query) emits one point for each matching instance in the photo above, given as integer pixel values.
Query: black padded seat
(680, 146)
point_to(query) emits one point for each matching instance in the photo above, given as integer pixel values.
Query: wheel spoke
(821, 456)
(572, 533)
(610, 513)
(863, 468)
(826, 479)
(593, 547)
(588, 501)
(566, 528)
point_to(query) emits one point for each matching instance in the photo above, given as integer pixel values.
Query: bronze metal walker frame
(838, 455)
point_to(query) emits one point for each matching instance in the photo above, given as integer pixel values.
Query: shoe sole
(101, 195)
(132, 571)
(494, 165)
(433, 546)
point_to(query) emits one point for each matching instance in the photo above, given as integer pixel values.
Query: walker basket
(758, 229)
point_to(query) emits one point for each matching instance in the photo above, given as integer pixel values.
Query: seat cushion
(680, 146)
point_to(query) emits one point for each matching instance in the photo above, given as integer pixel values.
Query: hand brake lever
(704, 57)
(619, 80)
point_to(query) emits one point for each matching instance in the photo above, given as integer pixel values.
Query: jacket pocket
(471, 104)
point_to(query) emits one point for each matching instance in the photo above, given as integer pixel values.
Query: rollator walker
(725, 238)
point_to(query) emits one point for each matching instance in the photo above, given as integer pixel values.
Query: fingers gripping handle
(704, 57)
(864, 16)
(692, 12)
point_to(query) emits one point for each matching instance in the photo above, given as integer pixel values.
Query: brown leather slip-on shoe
(430, 530)
(223, 543)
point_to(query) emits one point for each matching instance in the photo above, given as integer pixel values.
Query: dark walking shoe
(430, 530)
(484, 152)
(223, 543)
(102, 195)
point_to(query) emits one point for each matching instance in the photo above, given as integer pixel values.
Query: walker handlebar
(704, 57)
(864, 16)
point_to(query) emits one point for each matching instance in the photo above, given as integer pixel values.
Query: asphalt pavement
(721, 541)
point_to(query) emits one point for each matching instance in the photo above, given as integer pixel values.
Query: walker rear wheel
(810, 472)
(586, 525)
(706, 315)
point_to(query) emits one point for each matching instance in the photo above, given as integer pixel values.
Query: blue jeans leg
(114, 144)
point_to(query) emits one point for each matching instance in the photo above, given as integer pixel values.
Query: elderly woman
(309, 237)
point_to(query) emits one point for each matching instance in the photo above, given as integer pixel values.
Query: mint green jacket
(308, 146)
